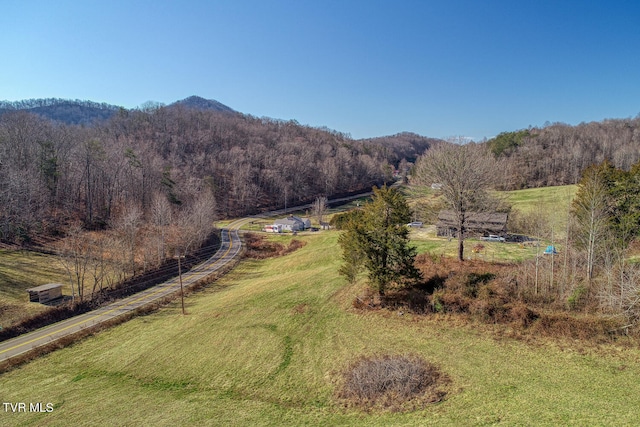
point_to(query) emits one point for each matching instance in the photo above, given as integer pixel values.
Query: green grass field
(21, 270)
(551, 203)
(552, 199)
(266, 343)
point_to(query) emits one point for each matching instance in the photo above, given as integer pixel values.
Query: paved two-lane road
(229, 249)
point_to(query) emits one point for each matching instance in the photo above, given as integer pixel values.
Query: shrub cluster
(393, 382)
(258, 247)
(490, 293)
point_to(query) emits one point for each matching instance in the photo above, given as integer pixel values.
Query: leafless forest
(154, 177)
(558, 153)
(53, 174)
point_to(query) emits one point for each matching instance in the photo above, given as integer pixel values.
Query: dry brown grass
(392, 382)
(487, 293)
(259, 247)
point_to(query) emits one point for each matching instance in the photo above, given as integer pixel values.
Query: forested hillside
(78, 112)
(404, 145)
(53, 173)
(558, 153)
(75, 112)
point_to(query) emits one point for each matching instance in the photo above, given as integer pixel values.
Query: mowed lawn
(557, 200)
(21, 270)
(266, 344)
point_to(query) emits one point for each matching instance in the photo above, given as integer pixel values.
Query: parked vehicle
(416, 224)
(493, 238)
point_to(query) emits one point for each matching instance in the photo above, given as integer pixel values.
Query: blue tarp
(551, 250)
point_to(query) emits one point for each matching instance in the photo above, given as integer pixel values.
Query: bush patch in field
(392, 382)
(258, 247)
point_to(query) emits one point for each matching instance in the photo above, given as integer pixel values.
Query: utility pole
(179, 257)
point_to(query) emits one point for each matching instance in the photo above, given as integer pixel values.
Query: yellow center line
(119, 306)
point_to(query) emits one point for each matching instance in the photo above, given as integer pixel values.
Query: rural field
(466, 247)
(553, 200)
(552, 203)
(267, 344)
(19, 271)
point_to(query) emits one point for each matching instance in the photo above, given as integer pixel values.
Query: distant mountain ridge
(68, 111)
(407, 145)
(79, 112)
(198, 103)
(404, 145)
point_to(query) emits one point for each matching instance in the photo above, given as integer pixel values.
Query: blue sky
(368, 68)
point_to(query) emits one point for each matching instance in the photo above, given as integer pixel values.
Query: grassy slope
(21, 270)
(552, 199)
(553, 202)
(265, 347)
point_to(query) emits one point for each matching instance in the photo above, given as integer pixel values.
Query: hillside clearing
(19, 271)
(266, 346)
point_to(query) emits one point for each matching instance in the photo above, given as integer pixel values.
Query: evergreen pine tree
(377, 241)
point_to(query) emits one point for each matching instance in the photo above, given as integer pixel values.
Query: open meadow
(554, 200)
(552, 203)
(21, 270)
(266, 345)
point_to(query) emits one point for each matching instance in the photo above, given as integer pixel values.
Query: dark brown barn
(476, 224)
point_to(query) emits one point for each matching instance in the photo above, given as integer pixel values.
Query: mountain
(74, 112)
(405, 145)
(198, 103)
(77, 112)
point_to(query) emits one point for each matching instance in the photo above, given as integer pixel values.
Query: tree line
(28, 104)
(558, 153)
(52, 174)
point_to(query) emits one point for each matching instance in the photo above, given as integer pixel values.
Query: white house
(293, 223)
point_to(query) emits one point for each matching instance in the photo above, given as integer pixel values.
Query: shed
(45, 293)
(275, 228)
(476, 223)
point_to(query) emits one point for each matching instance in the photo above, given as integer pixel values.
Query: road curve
(229, 248)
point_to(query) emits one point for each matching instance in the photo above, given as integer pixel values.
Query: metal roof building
(478, 223)
(45, 293)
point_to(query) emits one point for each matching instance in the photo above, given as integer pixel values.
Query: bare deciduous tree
(464, 173)
(127, 227)
(319, 208)
(590, 209)
(161, 219)
(75, 257)
(196, 223)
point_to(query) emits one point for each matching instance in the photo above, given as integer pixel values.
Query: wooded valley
(54, 174)
(132, 187)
